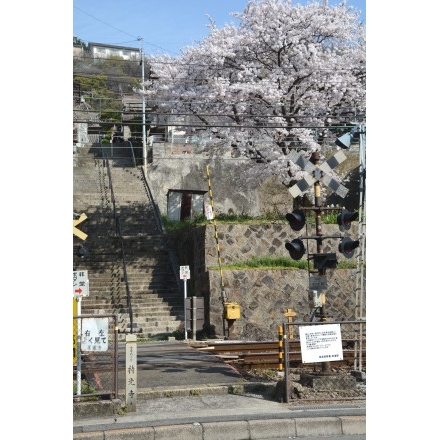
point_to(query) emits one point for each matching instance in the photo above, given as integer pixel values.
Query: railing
(156, 213)
(112, 198)
(132, 154)
(118, 232)
(127, 284)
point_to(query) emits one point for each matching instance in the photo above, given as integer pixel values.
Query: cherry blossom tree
(286, 77)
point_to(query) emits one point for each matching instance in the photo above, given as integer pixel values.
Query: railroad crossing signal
(317, 173)
(76, 222)
(296, 248)
(345, 218)
(347, 247)
(296, 219)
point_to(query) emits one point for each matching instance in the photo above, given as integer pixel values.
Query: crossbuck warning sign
(317, 173)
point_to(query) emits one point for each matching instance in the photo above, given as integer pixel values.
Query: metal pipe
(287, 380)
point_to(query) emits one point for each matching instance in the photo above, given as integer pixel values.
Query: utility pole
(144, 135)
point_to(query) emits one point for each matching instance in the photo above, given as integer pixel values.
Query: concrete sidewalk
(218, 415)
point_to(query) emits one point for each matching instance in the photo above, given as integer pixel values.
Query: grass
(261, 262)
(200, 220)
(85, 389)
(276, 263)
(266, 263)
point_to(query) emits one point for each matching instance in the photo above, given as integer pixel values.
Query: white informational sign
(184, 273)
(80, 283)
(320, 343)
(94, 334)
(208, 212)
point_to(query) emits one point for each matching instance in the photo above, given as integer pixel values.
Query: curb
(237, 430)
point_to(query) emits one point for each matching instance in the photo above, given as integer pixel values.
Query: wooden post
(290, 314)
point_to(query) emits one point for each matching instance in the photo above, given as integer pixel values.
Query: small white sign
(94, 334)
(320, 343)
(184, 273)
(208, 212)
(80, 283)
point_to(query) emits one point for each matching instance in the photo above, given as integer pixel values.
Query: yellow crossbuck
(76, 222)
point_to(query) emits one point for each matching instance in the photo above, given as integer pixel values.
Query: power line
(220, 68)
(120, 30)
(103, 22)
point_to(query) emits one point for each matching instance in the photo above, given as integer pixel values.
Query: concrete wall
(235, 185)
(263, 295)
(234, 190)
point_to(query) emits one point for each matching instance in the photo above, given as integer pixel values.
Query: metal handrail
(132, 154)
(112, 194)
(124, 264)
(118, 231)
(156, 212)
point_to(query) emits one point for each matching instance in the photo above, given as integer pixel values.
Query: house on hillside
(160, 128)
(99, 50)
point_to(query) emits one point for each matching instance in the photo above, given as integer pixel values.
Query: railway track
(245, 355)
(266, 354)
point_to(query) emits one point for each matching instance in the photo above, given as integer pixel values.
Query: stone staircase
(156, 296)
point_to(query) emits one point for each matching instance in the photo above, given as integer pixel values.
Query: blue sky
(166, 26)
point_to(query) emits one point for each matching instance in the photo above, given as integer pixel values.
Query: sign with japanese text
(131, 373)
(184, 273)
(94, 334)
(320, 343)
(80, 283)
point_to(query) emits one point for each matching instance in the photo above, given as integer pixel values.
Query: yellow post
(280, 348)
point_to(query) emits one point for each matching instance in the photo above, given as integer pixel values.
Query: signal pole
(325, 366)
(318, 173)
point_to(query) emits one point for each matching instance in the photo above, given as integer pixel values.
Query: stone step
(169, 312)
(122, 302)
(156, 298)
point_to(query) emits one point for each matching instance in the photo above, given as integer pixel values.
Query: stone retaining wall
(263, 295)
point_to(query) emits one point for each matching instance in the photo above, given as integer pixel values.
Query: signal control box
(231, 310)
